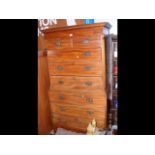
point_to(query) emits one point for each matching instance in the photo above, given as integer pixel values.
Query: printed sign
(44, 24)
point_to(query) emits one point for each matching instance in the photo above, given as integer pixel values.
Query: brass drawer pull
(88, 68)
(61, 97)
(88, 83)
(61, 109)
(87, 53)
(89, 100)
(60, 68)
(85, 41)
(90, 112)
(61, 82)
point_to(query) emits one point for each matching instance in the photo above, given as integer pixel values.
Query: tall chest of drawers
(77, 71)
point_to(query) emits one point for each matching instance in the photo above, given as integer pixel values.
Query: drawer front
(73, 33)
(76, 68)
(66, 83)
(94, 41)
(75, 122)
(58, 43)
(79, 111)
(87, 42)
(94, 100)
(74, 55)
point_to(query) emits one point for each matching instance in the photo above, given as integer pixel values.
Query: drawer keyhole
(60, 68)
(61, 82)
(62, 109)
(88, 68)
(61, 97)
(85, 41)
(88, 83)
(58, 43)
(89, 112)
(87, 53)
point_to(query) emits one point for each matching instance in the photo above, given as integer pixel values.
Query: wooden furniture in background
(76, 63)
(44, 116)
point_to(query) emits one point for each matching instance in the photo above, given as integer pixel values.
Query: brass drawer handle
(87, 53)
(85, 41)
(88, 83)
(62, 109)
(90, 112)
(88, 68)
(89, 100)
(61, 82)
(60, 68)
(61, 97)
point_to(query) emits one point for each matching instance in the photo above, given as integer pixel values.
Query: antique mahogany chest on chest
(77, 72)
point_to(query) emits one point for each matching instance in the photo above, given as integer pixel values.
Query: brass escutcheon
(88, 83)
(88, 68)
(87, 53)
(60, 68)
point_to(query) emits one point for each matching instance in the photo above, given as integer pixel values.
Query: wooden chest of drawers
(77, 71)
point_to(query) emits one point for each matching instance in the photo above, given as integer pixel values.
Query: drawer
(73, 33)
(66, 83)
(87, 42)
(94, 99)
(76, 68)
(58, 43)
(75, 122)
(74, 55)
(77, 111)
(73, 42)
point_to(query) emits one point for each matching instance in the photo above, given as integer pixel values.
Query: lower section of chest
(74, 110)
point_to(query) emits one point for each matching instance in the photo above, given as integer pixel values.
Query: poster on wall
(45, 24)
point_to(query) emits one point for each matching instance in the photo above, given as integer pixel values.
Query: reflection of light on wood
(71, 39)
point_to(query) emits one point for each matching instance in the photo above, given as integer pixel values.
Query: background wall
(113, 22)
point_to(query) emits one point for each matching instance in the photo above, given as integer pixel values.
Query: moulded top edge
(103, 24)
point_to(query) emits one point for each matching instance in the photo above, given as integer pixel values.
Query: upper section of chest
(82, 36)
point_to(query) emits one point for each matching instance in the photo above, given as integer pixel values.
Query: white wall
(113, 22)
